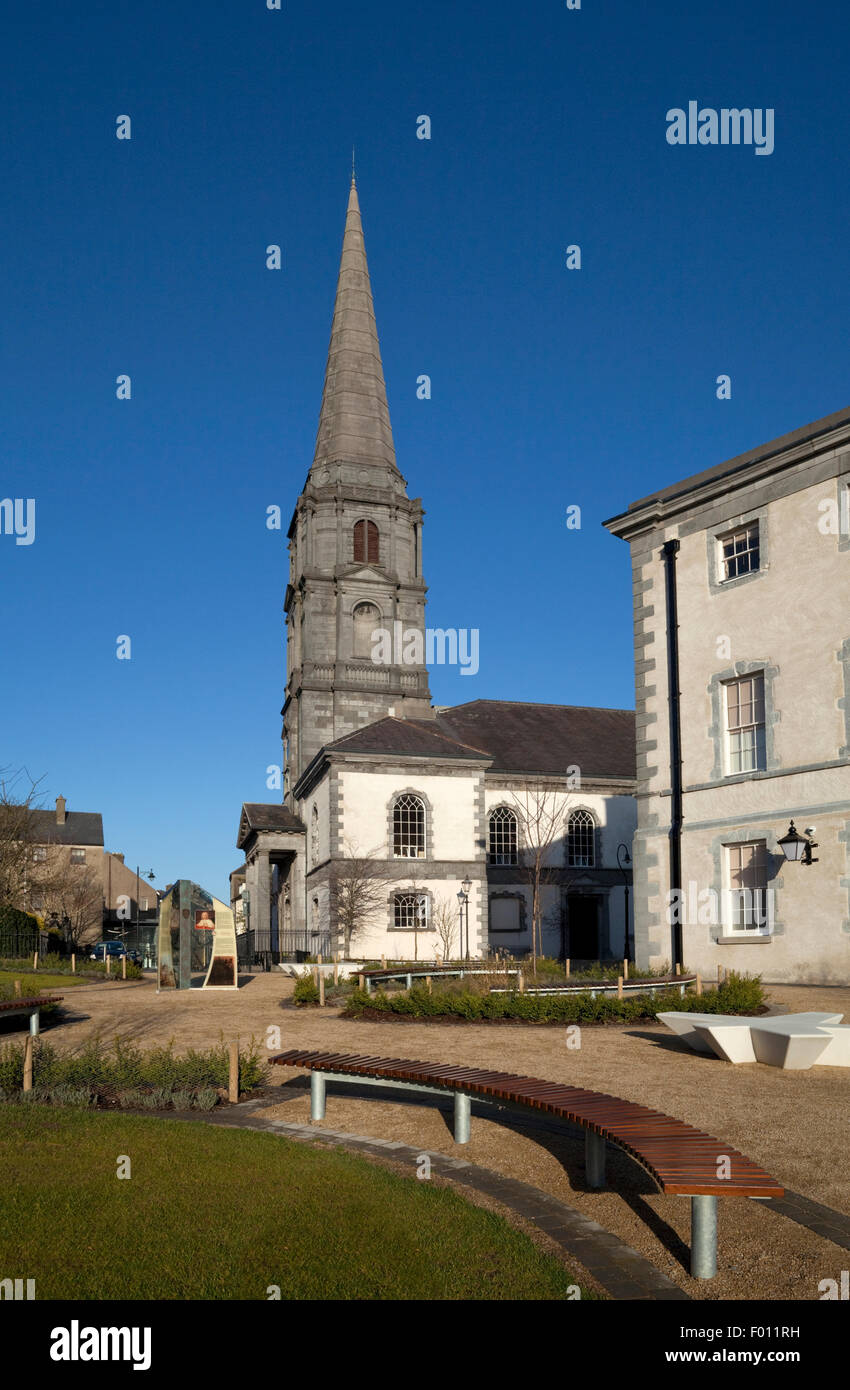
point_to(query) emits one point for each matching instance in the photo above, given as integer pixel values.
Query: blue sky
(550, 387)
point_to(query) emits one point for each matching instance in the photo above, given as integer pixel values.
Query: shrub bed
(53, 964)
(108, 1072)
(739, 994)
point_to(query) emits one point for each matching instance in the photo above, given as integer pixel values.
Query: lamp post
(624, 863)
(463, 904)
(150, 876)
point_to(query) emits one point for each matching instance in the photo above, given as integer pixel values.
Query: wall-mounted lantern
(798, 848)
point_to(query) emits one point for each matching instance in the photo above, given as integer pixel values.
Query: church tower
(355, 547)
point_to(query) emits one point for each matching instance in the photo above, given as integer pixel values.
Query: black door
(582, 927)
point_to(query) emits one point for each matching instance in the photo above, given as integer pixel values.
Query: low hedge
(122, 1066)
(54, 964)
(739, 994)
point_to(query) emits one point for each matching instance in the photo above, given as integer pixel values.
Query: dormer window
(366, 543)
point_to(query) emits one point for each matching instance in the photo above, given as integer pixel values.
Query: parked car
(115, 950)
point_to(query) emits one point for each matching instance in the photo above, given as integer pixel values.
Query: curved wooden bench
(29, 1006)
(683, 1161)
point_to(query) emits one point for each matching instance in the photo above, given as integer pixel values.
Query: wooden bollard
(319, 957)
(699, 983)
(521, 983)
(123, 967)
(316, 976)
(619, 986)
(678, 968)
(109, 965)
(73, 962)
(233, 1080)
(321, 990)
(28, 1063)
(336, 970)
(17, 989)
(428, 984)
(383, 962)
(35, 961)
(625, 969)
(567, 964)
(361, 981)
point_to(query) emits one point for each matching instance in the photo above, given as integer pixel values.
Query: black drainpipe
(670, 551)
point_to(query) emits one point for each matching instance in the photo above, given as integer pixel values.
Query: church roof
(546, 739)
(354, 422)
(411, 738)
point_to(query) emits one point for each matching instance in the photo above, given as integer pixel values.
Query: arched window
(580, 840)
(366, 543)
(503, 836)
(314, 837)
(409, 827)
(367, 619)
(411, 912)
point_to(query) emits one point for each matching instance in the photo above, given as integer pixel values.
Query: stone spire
(354, 423)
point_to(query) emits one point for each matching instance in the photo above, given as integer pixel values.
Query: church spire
(354, 423)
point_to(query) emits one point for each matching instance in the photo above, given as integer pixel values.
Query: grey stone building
(742, 675)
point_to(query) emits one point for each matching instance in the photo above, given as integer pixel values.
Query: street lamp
(624, 863)
(463, 904)
(798, 848)
(150, 876)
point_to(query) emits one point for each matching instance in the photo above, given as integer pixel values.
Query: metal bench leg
(463, 1111)
(34, 1023)
(703, 1237)
(317, 1095)
(594, 1159)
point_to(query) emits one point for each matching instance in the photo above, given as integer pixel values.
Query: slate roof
(79, 828)
(761, 452)
(523, 737)
(415, 738)
(513, 736)
(261, 815)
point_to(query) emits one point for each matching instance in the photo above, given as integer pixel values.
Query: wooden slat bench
(683, 1161)
(29, 1006)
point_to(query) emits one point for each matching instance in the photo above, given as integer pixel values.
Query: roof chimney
(61, 814)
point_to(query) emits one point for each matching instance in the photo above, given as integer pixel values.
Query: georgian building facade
(742, 660)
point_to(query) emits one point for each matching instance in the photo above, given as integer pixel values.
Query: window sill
(744, 939)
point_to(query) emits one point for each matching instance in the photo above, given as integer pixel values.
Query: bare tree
(359, 890)
(444, 919)
(20, 874)
(541, 819)
(77, 896)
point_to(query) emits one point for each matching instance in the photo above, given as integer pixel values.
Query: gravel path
(794, 1123)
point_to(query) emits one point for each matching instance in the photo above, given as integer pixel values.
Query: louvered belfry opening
(366, 543)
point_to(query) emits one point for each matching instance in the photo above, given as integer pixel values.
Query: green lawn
(31, 984)
(215, 1213)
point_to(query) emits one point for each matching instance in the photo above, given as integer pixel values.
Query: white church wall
(450, 811)
(615, 817)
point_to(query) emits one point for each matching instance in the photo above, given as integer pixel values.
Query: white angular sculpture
(793, 1042)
